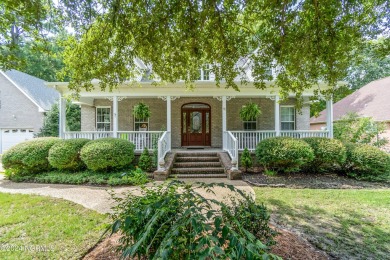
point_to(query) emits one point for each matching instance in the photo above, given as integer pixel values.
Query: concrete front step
(210, 175)
(208, 170)
(196, 154)
(196, 164)
(197, 159)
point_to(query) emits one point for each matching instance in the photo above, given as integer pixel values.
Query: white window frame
(203, 74)
(97, 122)
(141, 122)
(250, 121)
(294, 121)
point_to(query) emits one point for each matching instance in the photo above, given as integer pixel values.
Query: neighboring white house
(23, 101)
(207, 116)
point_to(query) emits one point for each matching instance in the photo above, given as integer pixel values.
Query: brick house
(23, 101)
(206, 117)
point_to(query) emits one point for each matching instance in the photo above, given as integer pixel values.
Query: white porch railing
(232, 149)
(141, 139)
(164, 146)
(305, 133)
(88, 135)
(250, 139)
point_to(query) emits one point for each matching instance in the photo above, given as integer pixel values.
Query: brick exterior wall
(157, 121)
(14, 102)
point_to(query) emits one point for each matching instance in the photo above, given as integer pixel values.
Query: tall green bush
(107, 154)
(65, 155)
(366, 161)
(174, 221)
(29, 157)
(145, 160)
(327, 153)
(354, 129)
(246, 159)
(283, 154)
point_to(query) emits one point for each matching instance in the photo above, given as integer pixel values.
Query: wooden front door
(195, 125)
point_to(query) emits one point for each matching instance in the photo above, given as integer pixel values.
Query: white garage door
(10, 137)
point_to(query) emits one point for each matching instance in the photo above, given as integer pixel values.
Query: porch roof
(200, 89)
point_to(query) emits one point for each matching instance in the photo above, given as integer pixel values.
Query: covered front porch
(207, 117)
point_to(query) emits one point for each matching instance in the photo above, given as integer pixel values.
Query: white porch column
(277, 116)
(329, 117)
(115, 116)
(224, 122)
(62, 119)
(169, 113)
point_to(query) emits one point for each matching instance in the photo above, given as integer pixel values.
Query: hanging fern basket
(250, 112)
(141, 111)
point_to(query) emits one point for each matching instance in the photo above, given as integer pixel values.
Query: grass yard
(347, 224)
(36, 227)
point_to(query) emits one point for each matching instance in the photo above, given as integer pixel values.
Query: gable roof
(372, 100)
(33, 88)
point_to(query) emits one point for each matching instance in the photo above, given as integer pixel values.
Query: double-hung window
(250, 125)
(287, 117)
(103, 118)
(204, 72)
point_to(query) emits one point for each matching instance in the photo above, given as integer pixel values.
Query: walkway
(97, 198)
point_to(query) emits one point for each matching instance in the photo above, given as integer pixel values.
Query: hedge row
(315, 154)
(43, 154)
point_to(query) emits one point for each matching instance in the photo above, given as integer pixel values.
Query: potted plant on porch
(250, 111)
(142, 111)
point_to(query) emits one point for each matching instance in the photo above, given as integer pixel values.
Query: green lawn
(347, 224)
(36, 227)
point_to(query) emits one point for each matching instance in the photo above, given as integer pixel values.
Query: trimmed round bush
(29, 157)
(327, 153)
(283, 154)
(366, 160)
(65, 155)
(107, 154)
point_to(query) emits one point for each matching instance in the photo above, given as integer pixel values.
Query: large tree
(305, 41)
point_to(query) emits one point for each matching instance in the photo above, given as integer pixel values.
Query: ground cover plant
(123, 177)
(173, 221)
(347, 224)
(37, 227)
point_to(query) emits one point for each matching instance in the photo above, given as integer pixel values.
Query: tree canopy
(305, 41)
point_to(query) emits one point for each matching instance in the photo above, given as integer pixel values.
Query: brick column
(277, 116)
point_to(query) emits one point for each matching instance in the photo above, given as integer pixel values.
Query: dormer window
(204, 73)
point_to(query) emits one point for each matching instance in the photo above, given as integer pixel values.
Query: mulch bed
(312, 181)
(289, 246)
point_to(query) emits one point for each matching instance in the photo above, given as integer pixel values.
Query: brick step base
(196, 164)
(197, 159)
(196, 154)
(207, 170)
(209, 175)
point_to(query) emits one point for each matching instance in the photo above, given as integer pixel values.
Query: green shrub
(29, 157)
(327, 153)
(173, 221)
(283, 154)
(65, 155)
(107, 154)
(365, 161)
(246, 159)
(145, 160)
